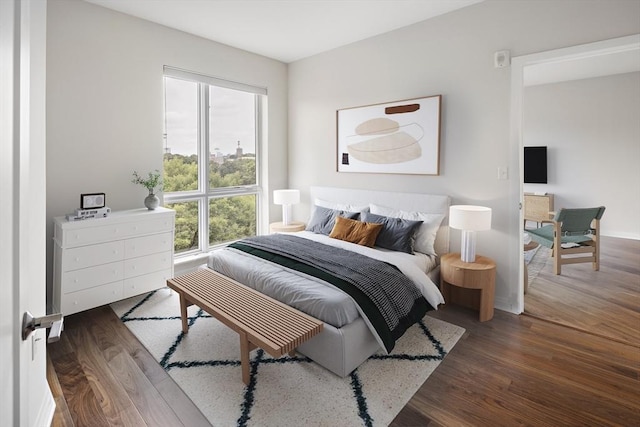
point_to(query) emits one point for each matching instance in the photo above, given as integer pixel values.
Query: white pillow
(341, 206)
(426, 235)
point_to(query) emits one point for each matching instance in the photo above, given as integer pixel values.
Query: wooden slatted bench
(260, 321)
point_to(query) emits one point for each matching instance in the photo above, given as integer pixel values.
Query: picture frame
(400, 137)
(92, 200)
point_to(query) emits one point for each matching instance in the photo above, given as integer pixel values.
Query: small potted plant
(153, 182)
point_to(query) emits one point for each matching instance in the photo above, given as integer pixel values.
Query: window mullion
(203, 164)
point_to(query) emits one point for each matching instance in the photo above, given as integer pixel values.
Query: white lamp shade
(286, 197)
(469, 217)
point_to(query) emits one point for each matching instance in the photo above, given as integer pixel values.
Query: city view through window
(209, 174)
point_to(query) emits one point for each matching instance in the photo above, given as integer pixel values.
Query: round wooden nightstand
(479, 275)
(279, 227)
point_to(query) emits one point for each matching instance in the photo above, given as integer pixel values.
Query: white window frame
(204, 192)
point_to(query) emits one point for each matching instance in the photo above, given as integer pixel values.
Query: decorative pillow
(397, 234)
(426, 235)
(323, 219)
(351, 230)
(341, 206)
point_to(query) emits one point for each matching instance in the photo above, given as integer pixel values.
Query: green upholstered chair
(572, 232)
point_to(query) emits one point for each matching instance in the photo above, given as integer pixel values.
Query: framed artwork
(398, 137)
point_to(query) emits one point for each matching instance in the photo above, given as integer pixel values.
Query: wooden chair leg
(557, 247)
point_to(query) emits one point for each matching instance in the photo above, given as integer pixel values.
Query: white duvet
(309, 294)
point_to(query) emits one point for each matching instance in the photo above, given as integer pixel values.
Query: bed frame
(341, 350)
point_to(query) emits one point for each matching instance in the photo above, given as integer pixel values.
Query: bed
(349, 337)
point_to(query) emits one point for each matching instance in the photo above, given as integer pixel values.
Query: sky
(232, 118)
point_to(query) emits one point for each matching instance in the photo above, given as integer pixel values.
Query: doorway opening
(552, 93)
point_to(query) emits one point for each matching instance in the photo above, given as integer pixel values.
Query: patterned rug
(537, 261)
(287, 391)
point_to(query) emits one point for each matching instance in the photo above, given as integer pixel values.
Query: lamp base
(468, 246)
(286, 215)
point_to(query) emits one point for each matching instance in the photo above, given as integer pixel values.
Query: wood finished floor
(511, 371)
(604, 302)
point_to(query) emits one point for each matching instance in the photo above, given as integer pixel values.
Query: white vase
(151, 201)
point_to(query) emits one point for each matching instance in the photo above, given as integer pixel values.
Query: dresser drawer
(93, 297)
(90, 235)
(147, 264)
(83, 257)
(147, 245)
(84, 278)
(146, 283)
(140, 228)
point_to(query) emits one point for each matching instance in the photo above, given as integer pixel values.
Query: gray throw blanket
(388, 298)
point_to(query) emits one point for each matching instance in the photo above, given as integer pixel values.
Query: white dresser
(98, 261)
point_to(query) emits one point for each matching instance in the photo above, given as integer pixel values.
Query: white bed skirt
(341, 350)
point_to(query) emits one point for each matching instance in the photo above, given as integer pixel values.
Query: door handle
(53, 321)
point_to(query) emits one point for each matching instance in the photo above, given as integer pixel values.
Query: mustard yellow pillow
(351, 230)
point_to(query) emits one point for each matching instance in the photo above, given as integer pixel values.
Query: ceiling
(286, 30)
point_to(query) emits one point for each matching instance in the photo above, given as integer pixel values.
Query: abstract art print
(400, 137)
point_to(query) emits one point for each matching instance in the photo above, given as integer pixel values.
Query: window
(211, 162)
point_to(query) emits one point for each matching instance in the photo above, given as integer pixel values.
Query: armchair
(571, 232)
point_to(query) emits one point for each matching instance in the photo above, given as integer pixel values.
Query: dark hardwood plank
(62, 415)
(516, 370)
(144, 396)
(131, 388)
(108, 330)
(81, 401)
(115, 402)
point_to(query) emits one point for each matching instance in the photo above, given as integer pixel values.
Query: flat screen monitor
(535, 165)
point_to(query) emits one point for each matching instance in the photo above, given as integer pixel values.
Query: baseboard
(45, 413)
(621, 235)
(504, 304)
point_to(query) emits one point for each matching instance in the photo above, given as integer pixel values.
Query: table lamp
(469, 219)
(286, 198)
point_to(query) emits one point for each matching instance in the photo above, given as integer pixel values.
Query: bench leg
(183, 313)
(245, 348)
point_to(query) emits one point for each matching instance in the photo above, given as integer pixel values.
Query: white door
(25, 398)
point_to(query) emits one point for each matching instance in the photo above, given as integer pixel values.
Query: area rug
(538, 260)
(289, 391)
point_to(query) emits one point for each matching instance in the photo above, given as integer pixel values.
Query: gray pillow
(324, 219)
(397, 234)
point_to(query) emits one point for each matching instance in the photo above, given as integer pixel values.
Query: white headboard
(414, 202)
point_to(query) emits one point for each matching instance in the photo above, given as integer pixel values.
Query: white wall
(591, 128)
(105, 102)
(450, 55)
